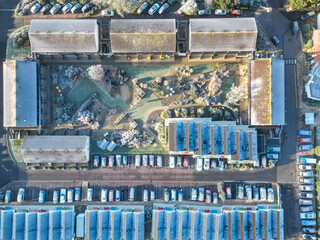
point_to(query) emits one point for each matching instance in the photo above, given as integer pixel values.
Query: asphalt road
(8, 171)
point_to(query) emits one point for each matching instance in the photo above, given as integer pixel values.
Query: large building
(61, 36)
(55, 150)
(267, 92)
(143, 36)
(201, 137)
(227, 35)
(219, 223)
(20, 95)
(312, 87)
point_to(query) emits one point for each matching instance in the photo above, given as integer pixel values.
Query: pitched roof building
(143, 35)
(202, 137)
(222, 35)
(56, 149)
(61, 36)
(20, 95)
(267, 92)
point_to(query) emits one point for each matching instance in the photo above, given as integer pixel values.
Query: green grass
(16, 53)
(226, 87)
(125, 150)
(85, 88)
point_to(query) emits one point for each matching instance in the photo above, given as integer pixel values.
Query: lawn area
(226, 87)
(125, 150)
(85, 88)
(15, 148)
(16, 53)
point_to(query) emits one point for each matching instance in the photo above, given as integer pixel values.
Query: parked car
(151, 160)
(185, 161)
(179, 161)
(132, 193)
(306, 209)
(70, 195)
(306, 188)
(107, 13)
(255, 193)
(154, 9)
(111, 161)
(146, 195)
(240, 192)
(201, 194)
(206, 165)
(8, 197)
(125, 160)
(295, 28)
(304, 147)
(308, 160)
(173, 194)
(308, 230)
(180, 195)
(215, 198)
(42, 196)
(204, 12)
(199, 164)
(90, 194)
(152, 195)
(307, 15)
(164, 8)
(213, 163)
(76, 8)
(143, 7)
(145, 160)
(208, 196)
(304, 140)
(119, 160)
(159, 161)
(96, 161)
(228, 193)
(306, 174)
(21, 194)
(270, 195)
(103, 161)
(308, 222)
(63, 193)
(273, 155)
(307, 180)
(306, 195)
(309, 236)
(118, 195)
(302, 132)
(221, 165)
(138, 160)
(35, 8)
(77, 194)
(275, 40)
(166, 195)
(263, 194)
(67, 8)
(86, 8)
(273, 149)
(248, 192)
(305, 202)
(194, 194)
(237, 12)
(308, 215)
(104, 195)
(220, 12)
(45, 9)
(305, 167)
(172, 162)
(56, 8)
(55, 198)
(111, 195)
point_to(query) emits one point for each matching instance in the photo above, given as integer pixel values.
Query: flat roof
(223, 35)
(316, 44)
(143, 35)
(64, 36)
(20, 94)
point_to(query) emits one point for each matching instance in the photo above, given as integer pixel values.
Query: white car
(104, 195)
(154, 9)
(199, 164)
(163, 8)
(138, 161)
(308, 215)
(146, 195)
(107, 13)
(90, 194)
(194, 194)
(35, 8)
(172, 162)
(306, 188)
(307, 180)
(70, 195)
(63, 193)
(220, 12)
(306, 174)
(263, 194)
(206, 164)
(21, 194)
(305, 167)
(270, 195)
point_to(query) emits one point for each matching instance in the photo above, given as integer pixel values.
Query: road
(8, 170)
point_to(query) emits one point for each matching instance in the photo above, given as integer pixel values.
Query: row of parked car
(248, 193)
(21, 196)
(69, 7)
(207, 163)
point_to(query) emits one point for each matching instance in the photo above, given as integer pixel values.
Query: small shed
(309, 118)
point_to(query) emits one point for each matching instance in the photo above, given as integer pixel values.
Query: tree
(298, 4)
(123, 6)
(190, 7)
(164, 115)
(215, 86)
(234, 96)
(161, 131)
(200, 112)
(96, 72)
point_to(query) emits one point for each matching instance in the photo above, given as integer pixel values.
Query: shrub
(306, 36)
(305, 28)
(308, 45)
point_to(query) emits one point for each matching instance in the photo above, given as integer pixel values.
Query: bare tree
(190, 7)
(96, 72)
(234, 96)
